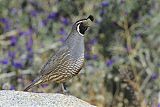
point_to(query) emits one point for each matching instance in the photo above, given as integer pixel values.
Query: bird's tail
(34, 83)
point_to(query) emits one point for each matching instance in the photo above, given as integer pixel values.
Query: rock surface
(28, 99)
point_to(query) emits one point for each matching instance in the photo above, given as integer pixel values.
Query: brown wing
(52, 64)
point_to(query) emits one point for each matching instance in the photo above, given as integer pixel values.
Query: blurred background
(122, 66)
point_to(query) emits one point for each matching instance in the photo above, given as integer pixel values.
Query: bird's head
(82, 25)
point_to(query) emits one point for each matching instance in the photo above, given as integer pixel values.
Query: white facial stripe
(78, 30)
(81, 21)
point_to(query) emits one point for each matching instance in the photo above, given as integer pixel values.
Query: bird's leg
(64, 90)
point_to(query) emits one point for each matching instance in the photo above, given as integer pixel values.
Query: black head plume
(90, 17)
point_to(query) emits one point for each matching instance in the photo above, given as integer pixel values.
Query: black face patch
(82, 28)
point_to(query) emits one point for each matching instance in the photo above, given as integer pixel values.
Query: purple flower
(62, 31)
(65, 21)
(88, 47)
(4, 61)
(21, 33)
(52, 15)
(44, 22)
(29, 43)
(102, 12)
(33, 13)
(87, 56)
(29, 59)
(12, 87)
(110, 62)
(30, 54)
(26, 33)
(95, 57)
(93, 41)
(5, 21)
(11, 54)
(13, 11)
(154, 76)
(105, 4)
(17, 64)
(29, 47)
(13, 40)
(30, 31)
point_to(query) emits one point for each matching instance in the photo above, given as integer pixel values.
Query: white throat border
(78, 30)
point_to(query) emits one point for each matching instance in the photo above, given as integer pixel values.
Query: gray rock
(28, 99)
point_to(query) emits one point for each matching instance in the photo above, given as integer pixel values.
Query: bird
(68, 60)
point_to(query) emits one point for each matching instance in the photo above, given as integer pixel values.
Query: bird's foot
(64, 90)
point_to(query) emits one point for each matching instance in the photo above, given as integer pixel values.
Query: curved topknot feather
(90, 17)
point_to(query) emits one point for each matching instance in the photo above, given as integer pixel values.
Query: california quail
(68, 60)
